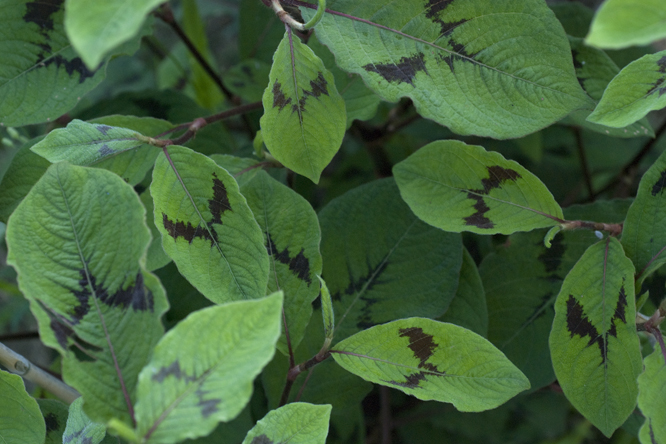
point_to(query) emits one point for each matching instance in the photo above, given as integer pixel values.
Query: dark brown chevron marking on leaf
(40, 12)
(661, 63)
(551, 258)
(220, 201)
(262, 439)
(103, 129)
(365, 318)
(105, 150)
(479, 219)
(208, 406)
(659, 186)
(279, 99)
(422, 345)
(188, 232)
(136, 296)
(317, 88)
(172, 370)
(75, 65)
(84, 351)
(402, 72)
(371, 279)
(412, 381)
(496, 177)
(52, 423)
(299, 265)
(656, 86)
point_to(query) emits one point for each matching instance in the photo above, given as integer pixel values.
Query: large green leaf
(41, 76)
(295, 423)
(622, 23)
(381, 262)
(81, 429)
(491, 68)
(292, 236)
(433, 361)
(459, 187)
(304, 116)
(207, 227)
(651, 400)
(201, 372)
(634, 92)
(86, 287)
(643, 234)
(594, 346)
(95, 28)
(21, 421)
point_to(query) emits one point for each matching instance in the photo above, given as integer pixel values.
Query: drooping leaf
(327, 313)
(21, 421)
(468, 308)
(91, 298)
(96, 28)
(433, 361)
(381, 262)
(643, 236)
(638, 89)
(463, 64)
(459, 187)
(55, 418)
(304, 116)
(201, 372)
(622, 23)
(651, 400)
(593, 343)
(295, 423)
(291, 236)
(207, 227)
(81, 429)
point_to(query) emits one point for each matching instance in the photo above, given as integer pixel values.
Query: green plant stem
(321, 7)
(21, 366)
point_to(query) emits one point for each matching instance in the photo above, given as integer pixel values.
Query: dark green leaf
(21, 421)
(651, 400)
(55, 417)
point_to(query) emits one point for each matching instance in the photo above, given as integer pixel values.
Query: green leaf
(45, 78)
(96, 28)
(381, 262)
(155, 256)
(295, 423)
(622, 23)
(594, 346)
(21, 421)
(207, 227)
(55, 417)
(291, 236)
(433, 361)
(643, 235)
(327, 313)
(304, 115)
(634, 92)
(81, 429)
(575, 17)
(91, 298)
(468, 308)
(459, 187)
(248, 79)
(464, 64)
(201, 372)
(651, 400)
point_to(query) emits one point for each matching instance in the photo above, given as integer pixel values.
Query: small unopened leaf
(81, 429)
(304, 116)
(622, 23)
(651, 399)
(459, 187)
(593, 343)
(207, 227)
(295, 423)
(327, 313)
(21, 421)
(433, 361)
(638, 89)
(201, 372)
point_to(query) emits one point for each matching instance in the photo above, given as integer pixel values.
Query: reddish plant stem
(285, 392)
(305, 383)
(296, 370)
(613, 229)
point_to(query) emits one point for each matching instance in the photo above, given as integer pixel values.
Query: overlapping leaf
(304, 116)
(291, 236)
(622, 23)
(207, 227)
(495, 69)
(295, 423)
(201, 372)
(651, 400)
(593, 343)
(21, 421)
(638, 89)
(81, 429)
(327, 313)
(381, 262)
(55, 417)
(459, 187)
(433, 361)
(90, 296)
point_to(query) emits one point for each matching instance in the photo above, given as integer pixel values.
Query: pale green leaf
(96, 28)
(207, 227)
(295, 423)
(633, 93)
(492, 68)
(21, 421)
(55, 417)
(201, 372)
(651, 400)
(643, 235)
(292, 237)
(459, 187)
(304, 116)
(91, 298)
(593, 343)
(433, 361)
(327, 313)
(381, 262)
(622, 23)
(81, 429)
